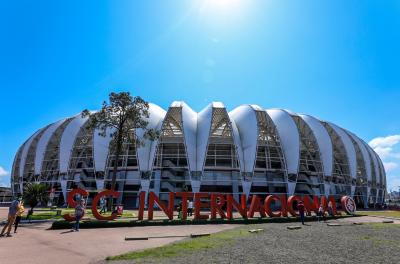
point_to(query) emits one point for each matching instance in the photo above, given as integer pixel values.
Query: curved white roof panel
(324, 142)
(147, 152)
(16, 158)
(68, 139)
(189, 122)
(42, 145)
(290, 138)
(24, 153)
(217, 105)
(364, 152)
(381, 169)
(375, 162)
(245, 119)
(383, 172)
(204, 119)
(238, 143)
(101, 148)
(349, 147)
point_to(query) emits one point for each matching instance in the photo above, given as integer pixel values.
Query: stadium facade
(246, 151)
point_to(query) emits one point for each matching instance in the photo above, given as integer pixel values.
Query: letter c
(95, 201)
(290, 204)
(267, 206)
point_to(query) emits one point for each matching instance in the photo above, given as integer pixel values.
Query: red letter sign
(267, 206)
(198, 205)
(230, 203)
(217, 202)
(290, 204)
(153, 198)
(96, 200)
(185, 196)
(256, 206)
(142, 198)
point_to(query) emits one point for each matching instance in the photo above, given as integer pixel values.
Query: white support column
(247, 180)
(100, 185)
(195, 185)
(353, 190)
(327, 189)
(195, 180)
(246, 185)
(291, 188)
(235, 190)
(64, 189)
(157, 182)
(365, 199)
(144, 187)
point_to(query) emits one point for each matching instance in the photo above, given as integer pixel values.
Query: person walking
(103, 205)
(29, 214)
(21, 210)
(12, 213)
(300, 207)
(330, 210)
(179, 209)
(190, 208)
(79, 213)
(321, 213)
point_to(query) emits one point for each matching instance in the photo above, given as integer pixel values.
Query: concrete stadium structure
(246, 151)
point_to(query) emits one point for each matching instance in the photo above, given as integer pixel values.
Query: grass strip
(186, 246)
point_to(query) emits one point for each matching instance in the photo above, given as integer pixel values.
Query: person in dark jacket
(300, 207)
(21, 210)
(321, 213)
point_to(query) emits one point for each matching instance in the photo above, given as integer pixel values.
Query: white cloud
(386, 146)
(383, 152)
(390, 166)
(388, 149)
(384, 142)
(3, 172)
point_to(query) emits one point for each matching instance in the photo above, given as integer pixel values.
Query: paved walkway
(34, 244)
(3, 213)
(369, 219)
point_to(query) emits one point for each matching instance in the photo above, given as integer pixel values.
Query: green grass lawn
(238, 241)
(47, 214)
(384, 241)
(381, 213)
(186, 246)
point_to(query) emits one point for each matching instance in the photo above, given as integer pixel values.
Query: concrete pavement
(35, 244)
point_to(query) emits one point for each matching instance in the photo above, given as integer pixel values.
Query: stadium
(246, 151)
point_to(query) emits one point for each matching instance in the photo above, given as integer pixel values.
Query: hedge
(121, 223)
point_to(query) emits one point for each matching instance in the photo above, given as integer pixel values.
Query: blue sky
(337, 60)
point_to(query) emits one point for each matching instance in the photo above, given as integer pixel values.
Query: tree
(35, 193)
(123, 115)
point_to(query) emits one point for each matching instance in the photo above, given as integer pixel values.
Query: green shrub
(125, 223)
